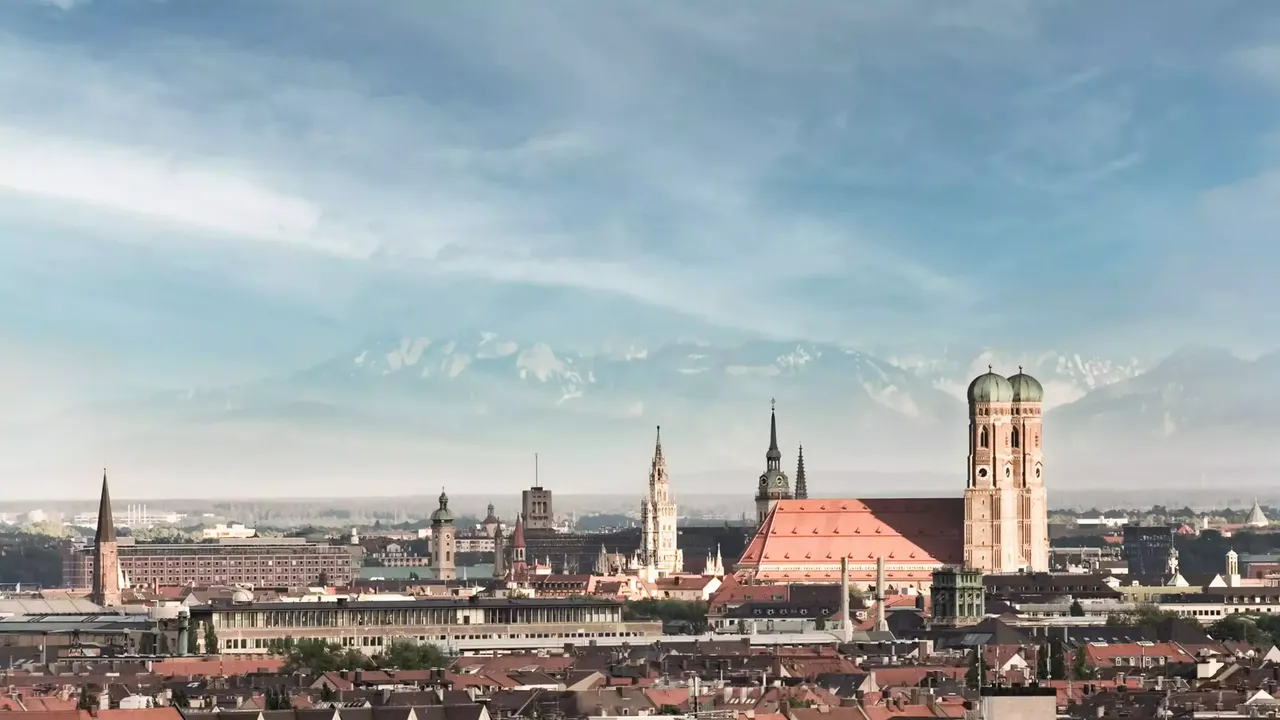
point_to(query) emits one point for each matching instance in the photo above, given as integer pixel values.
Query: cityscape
(500, 361)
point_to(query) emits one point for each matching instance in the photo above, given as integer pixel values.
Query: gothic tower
(519, 561)
(1026, 410)
(499, 554)
(106, 560)
(659, 536)
(774, 485)
(802, 488)
(991, 501)
(444, 545)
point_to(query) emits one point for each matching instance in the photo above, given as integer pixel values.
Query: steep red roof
(517, 536)
(907, 532)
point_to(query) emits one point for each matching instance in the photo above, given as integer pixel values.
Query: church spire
(658, 459)
(802, 488)
(106, 525)
(774, 456)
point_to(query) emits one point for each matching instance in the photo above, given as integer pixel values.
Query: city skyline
(232, 242)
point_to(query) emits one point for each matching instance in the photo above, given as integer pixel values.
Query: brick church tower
(1006, 515)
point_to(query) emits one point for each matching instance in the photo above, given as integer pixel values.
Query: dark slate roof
(106, 525)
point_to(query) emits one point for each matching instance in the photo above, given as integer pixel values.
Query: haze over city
(322, 248)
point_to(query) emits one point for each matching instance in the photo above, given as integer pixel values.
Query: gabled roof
(913, 531)
(1256, 518)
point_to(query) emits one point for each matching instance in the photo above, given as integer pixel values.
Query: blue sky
(204, 191)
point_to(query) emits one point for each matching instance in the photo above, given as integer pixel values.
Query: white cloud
(164, 189)
(1261, 62)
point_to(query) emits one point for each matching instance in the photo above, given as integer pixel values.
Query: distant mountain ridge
(478, 403)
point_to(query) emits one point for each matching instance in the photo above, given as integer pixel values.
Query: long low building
(258, 562)
(251, 627)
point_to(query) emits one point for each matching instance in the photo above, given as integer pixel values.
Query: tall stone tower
(1006, 514)
(499, 553)
(444, 541)
(773, 485)
(1026, 411)
(106, 560)
(659, 536)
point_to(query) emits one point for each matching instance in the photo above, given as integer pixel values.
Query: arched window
(982, 438)
(1016, 439)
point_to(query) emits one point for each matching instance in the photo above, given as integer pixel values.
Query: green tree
(977, 674)
(180, 699)
(87, 701)
(318, 656)
(1080, 668)
(210, 639)
(668, 611)
(1240, 628)
(193, 645)
(1077, 610)
(407, 654)
(1057, 660)
(1145, 615)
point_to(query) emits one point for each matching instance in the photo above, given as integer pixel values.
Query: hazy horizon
(284, 248)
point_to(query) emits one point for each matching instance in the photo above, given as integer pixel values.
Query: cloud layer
(192, 193)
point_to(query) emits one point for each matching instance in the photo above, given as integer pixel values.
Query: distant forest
(31, 559)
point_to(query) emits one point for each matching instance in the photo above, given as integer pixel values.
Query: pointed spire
(658, 459)
(802, 487)
(774, 455)
(517, 535)
(106, 525)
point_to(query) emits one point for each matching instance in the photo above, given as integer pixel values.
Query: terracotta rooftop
(904, 531)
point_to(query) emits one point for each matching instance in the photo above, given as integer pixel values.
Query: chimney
(881, 624)
(846, 622)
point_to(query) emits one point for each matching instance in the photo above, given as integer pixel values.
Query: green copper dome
(1026, 389)
(990, 387)
(442, 514)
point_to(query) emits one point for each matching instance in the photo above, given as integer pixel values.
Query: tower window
(1016, 439)
(982, 438)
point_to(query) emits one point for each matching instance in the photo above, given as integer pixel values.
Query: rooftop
(904, 531)
(453, 602)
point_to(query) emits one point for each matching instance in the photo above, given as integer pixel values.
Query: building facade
(658, 533)
(958, 597)
(258, 562)
(536, 504)
(1147, 549)
(368, 626)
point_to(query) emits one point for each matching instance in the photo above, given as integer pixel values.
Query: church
(998, 525)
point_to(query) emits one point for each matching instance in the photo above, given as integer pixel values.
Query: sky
(195, 192)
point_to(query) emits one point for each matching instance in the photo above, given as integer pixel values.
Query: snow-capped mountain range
(462, 400)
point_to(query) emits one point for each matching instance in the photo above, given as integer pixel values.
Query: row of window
(373, 641)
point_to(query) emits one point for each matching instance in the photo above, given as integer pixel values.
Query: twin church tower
(1001, 525)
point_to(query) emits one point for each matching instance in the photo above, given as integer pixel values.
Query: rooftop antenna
(535, 470)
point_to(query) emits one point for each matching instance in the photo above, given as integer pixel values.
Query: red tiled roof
(224, 666)
(904, 531)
